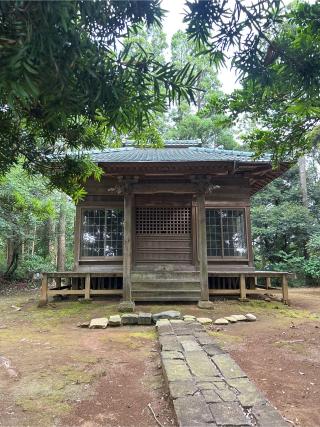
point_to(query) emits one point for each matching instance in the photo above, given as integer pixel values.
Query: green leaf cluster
(70, 80)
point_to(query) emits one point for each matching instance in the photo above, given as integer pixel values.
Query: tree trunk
(13, 250)
(49, 239)
(303, 180)
(61, 247)
(304, 194)
(10, 247)
(33, 243)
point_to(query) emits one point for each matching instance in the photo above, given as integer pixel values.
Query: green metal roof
(169, 154)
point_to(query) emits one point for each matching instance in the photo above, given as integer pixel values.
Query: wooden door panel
(163, 235)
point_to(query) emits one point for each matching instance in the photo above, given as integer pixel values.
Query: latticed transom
(163, 220)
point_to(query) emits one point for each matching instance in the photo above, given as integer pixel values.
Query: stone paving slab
(207, 386)
(229, 414)
(192, 411)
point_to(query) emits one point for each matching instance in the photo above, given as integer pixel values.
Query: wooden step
(155, 276)
(167, 298)
(166, 285)
(166, 295)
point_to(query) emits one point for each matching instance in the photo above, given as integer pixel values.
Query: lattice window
(102, 232)
(214, 242)
(226, 235)
(163, 220)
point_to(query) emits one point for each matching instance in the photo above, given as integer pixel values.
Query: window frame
(246, 228)
(96, 258)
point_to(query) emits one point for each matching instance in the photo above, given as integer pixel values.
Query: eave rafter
(258, 174)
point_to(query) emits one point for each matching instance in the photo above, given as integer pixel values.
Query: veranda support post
(202, 252)
(268, 282)
(285, 292)
(87, 287)
(127, 304)
(243, 291)
(44, 290)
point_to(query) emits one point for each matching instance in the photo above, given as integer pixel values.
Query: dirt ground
(53, 373)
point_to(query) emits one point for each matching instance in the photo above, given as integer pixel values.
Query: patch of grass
(147, 335)
(153, 382)
(44, 407)
(77, 376)
(131, 338)
(297, 347)
(85, 358)
(225, 338)
(47, 394)
(275, 308)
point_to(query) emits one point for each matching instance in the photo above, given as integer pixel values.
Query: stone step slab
(115, 320)
(239, 317)
(229, 414)
(144, 318)
(129, 319)
(221, 321)
(227, 366)
(250, 317)
(98, 323)
(204, 320)
(192, 411)
(170, 314)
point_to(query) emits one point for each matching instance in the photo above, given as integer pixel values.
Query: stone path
(206, 385)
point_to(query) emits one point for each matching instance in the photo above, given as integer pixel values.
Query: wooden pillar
(268, 282)
(87, 287)
(127, 246)
(58, 282)
(77, 238)
(202, 247)
(44, 291)
(243, 292)
(285, 293)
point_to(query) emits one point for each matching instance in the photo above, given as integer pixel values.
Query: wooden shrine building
(167, 224)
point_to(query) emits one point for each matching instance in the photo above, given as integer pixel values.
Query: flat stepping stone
(99, 323)
(170, 314)
(204, 320)
(249, 394)
(211, 396)
(192, 411)
(250, 317)
(80, 325)
(164, 327)
(221, 321)
(176, 370)
(144, 318)
(129, 319)
(200, 365)
(239, 317)
(115, 320)
(182, 389)
(189, 318)
(266, 415)
(227, 366)
(231, 319)
(229, 414)
(172, 355)
(190, 345)
(169, 343)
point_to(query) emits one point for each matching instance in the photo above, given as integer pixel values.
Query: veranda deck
(86, 284)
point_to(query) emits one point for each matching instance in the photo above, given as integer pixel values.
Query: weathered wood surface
(202, 247)
(163, 286)
(127, 245)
